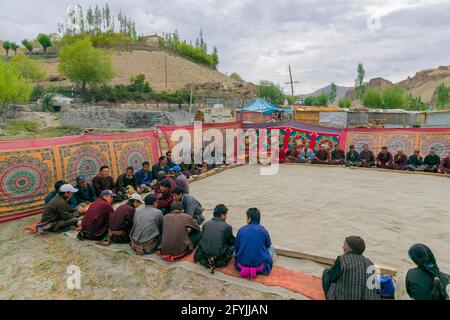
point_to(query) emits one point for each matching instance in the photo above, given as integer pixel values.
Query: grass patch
(44, 266)
(21, 126)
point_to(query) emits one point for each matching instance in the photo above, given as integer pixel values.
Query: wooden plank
(324, 260)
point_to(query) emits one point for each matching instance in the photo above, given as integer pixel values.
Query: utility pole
(292, 84)
(190, 99)
(165, 68)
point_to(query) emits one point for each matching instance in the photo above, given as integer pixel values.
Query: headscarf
(423, 257)
(356, 244)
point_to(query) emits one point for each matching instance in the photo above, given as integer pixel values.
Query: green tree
(14, 47)
(394, 97)
(360, 86)
(320, 100)
(27, 68)
(84, 64)
(13, 88)
(28, 45)
(215, 57)
(416, 104)
(7, 47)
(372, 99)
(333, 92)
(236, 76)
(45, 41)
(270, 92)
(345, 103)
(442, 96)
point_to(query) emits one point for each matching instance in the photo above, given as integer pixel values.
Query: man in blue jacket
(253, 247)
(145, 177)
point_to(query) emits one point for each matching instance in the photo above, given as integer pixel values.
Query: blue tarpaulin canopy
(262, 106)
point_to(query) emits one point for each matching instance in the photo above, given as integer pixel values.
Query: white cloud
(323, 41)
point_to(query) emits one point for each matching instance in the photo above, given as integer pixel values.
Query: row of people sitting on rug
(178, 232)
(366, 158)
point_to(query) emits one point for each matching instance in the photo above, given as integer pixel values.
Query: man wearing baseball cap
(179, 177)
(121, 221)
(95, 223)
(58, 213)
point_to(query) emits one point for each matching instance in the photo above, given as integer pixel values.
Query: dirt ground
(34, 267)
(312, 209)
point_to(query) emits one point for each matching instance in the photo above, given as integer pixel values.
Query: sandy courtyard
(312, 209)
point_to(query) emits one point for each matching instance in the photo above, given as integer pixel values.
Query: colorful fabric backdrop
(406, 139)
(29, 169)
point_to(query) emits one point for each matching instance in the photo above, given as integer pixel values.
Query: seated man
(292, 155)
(86, 193)
(147, 227)
(215, 248)
(127, 184)
(181, 233)
(444, 166)
(191, 205)
(103, 181)
(170, 162)
(415, 162)
(164, 196)
(121, 221)
(95, 223)
(384, 159)
(145, 177)
(57, 212)
(322, 156)
(366, 157)
(162, 176)
(352, 157)
(306, 155)
(432, 161)
(253, 247)
(72, 201)
(160, 166)
(347, 279)
(400, 161)
(179, 178)
(337, 156)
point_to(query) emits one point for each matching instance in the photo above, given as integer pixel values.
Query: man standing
(444, 166)
(95, 223)
(432, 161)
(58, 213)
(306, 155)
(103, 181)
(322, 156)
(147, 227)
(352, 157)
(253, 247)
(145, 177)
(216, 245)
(400, 161)
(160, 166)
(121, 221)
(180, 179)
(384, 159)
(348, 279)
(416, 162)
(181, 233)
(337, 156)
(127, 184)
(86, 193)
(366, 157)
(191, 205)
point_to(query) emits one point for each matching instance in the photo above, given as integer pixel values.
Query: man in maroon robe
(444, 166)
(384, 159)
(103, 181)
(95, 223)
(400, 161)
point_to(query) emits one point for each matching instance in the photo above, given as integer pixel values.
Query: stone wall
(114, 118)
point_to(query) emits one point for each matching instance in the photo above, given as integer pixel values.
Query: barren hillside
(152, 64)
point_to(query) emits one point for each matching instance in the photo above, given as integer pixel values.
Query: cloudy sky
(322, 40)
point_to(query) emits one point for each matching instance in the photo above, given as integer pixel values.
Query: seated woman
(426, 281)
(253, 247)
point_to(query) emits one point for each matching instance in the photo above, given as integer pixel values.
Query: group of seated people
(366, 158)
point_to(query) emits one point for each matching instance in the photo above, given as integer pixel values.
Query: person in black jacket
(426, 281)
(217, 243)
(86, 193)
(125, 180)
